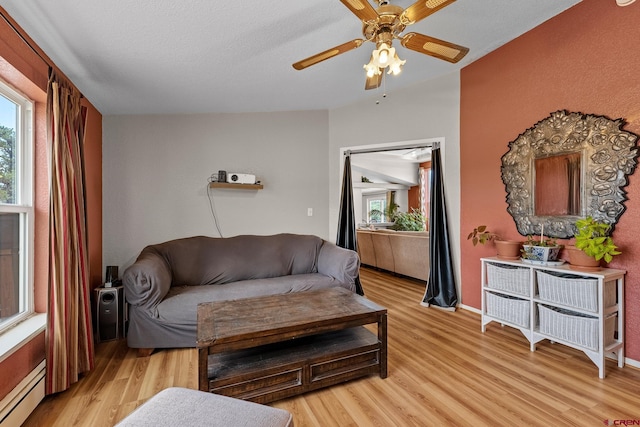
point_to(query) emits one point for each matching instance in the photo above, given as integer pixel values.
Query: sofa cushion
(203, 260)
(365, 248)
(410, 255)
(382, 249)
(181, 303)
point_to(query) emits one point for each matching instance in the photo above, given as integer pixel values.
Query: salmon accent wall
(93, 162)
(583, 60)
(26, 71)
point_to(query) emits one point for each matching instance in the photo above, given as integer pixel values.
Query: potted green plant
(409, 221)
(507, 249)
(593, 244)
(543, 250)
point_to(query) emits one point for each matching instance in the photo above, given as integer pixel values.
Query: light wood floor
(442, 371)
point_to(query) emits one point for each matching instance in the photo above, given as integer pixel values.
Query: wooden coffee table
(269, 348)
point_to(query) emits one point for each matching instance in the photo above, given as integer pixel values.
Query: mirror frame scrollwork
(609, 156)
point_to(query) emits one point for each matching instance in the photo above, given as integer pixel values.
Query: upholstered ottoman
(185, 407)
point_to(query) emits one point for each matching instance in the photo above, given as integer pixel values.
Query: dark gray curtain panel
(346, 221)
(441, 285)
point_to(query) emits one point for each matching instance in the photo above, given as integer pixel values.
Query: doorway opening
(387, 175)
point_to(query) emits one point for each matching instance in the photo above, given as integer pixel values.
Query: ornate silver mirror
(568, 166)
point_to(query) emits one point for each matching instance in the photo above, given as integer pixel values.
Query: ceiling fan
(381, 26)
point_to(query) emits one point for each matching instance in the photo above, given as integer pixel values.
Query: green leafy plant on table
(592, 237)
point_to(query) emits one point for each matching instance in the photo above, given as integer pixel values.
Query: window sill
(22, 333)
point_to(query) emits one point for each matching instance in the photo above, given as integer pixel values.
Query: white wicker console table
(580, 309)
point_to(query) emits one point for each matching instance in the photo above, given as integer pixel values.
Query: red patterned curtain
(425, 185)
(70, 349)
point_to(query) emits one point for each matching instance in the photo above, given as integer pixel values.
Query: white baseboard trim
(468, 307)
(631, 362)
(16, 407)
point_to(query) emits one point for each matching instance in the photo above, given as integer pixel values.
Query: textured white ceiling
(190, 56)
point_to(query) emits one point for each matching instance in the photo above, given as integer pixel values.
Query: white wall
(156, 167)
(156, 170)
(427, 110)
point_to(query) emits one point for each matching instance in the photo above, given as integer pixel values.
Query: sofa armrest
(339, 263)
(147, 281)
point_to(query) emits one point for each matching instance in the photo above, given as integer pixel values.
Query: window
(16, 207)
(376, 208)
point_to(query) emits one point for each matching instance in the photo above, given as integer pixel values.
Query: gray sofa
(168, 280)
(400, 252)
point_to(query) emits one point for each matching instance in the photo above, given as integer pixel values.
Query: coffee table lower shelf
(277, 371)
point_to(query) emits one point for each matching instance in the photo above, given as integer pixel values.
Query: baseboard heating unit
(16, 407)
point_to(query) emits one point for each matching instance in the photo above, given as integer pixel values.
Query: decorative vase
(578, 260)
(508, 249)
(541, 253)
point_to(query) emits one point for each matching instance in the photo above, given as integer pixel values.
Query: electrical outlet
(309, 211)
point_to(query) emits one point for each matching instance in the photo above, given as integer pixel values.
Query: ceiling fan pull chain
(384, 88)
(384, 85)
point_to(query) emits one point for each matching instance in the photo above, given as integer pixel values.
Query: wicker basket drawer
(575, 328)
(510, 309)
(574, 291)
(508, 278)
(610, 293)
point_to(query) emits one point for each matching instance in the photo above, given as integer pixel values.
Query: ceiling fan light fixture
(382, 55)
(371, 69)
(395, 70)
(386, 23)
(395, 66)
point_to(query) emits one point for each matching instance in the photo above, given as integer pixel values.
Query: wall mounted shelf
(236, 186)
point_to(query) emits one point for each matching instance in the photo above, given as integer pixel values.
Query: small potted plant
(542, 250)
(592, 246)
(507, 249)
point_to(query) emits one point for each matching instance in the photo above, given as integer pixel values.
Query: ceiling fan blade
(329, 53)
(423, 8)
(362, 9)
(373, 82)
(434, 47)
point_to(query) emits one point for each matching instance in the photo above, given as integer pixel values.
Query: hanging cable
(212, 207)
